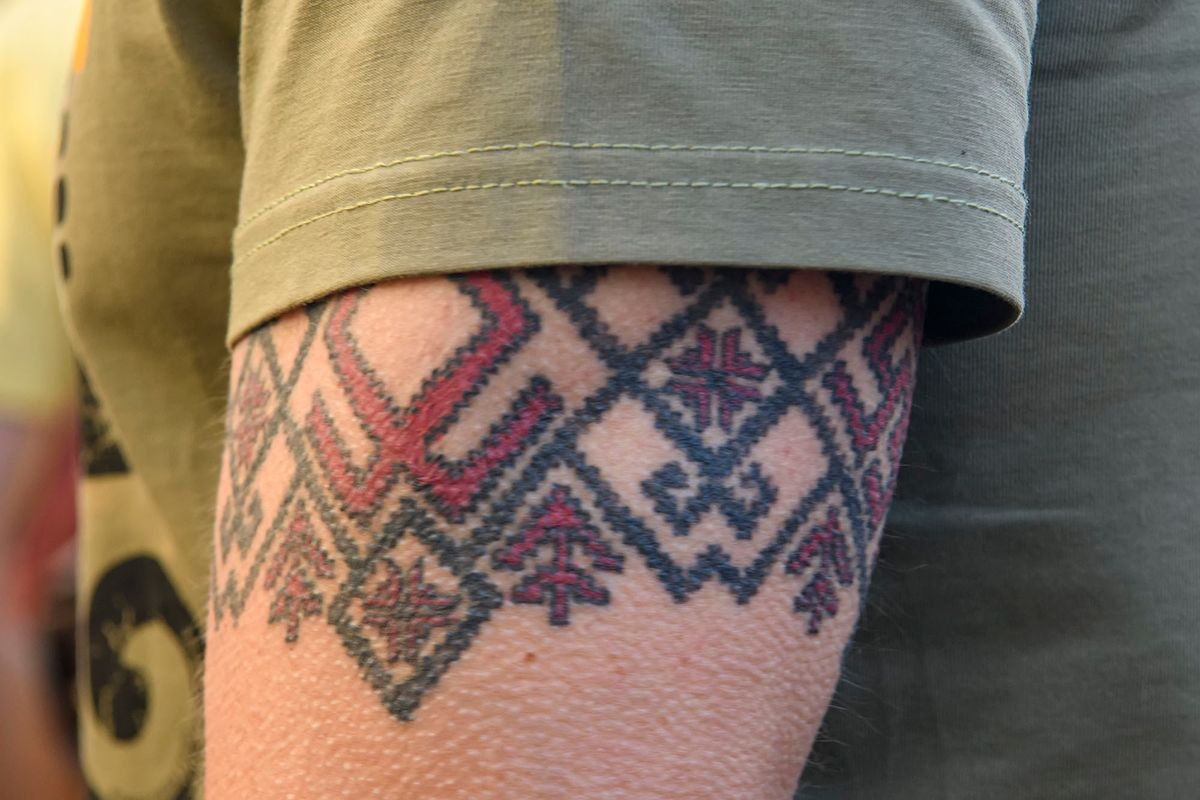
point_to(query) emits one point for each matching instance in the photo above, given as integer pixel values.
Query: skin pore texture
(558, 533)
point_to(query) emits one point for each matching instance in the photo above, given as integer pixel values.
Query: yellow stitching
(576, 183)
(498, 148)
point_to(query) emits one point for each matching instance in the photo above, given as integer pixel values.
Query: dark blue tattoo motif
(741, 515)
(408, 552)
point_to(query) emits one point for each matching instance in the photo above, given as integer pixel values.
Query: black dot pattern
(60, 200)
(60, 203)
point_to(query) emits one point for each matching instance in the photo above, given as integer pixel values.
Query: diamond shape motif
(716, 378)
(254, 409)
(256, 420)
(713, 383)
(403, 441)
(286, 553)
(411, 607)
(406, 609)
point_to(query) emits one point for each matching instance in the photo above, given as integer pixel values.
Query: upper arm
(564, 532)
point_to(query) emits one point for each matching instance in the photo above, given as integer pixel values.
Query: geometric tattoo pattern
(561, 524)
(408, 520)
(297, 561)
(405, 609)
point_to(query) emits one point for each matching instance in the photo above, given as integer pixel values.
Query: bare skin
(560, 533)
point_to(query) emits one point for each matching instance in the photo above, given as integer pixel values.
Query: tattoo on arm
(407, 520)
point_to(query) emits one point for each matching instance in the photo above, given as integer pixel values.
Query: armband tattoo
(407, 520)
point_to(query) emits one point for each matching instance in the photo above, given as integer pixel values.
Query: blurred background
(39, 413)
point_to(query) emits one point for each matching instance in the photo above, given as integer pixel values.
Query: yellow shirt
(35, 44)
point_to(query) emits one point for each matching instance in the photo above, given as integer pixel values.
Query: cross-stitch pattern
(395, 526)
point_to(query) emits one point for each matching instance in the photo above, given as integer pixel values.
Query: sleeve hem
(833, 209)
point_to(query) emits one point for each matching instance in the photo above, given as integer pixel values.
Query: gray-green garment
(1034, 629)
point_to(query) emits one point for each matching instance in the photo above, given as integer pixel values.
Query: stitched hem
(693, 148)
(592, 206)
(633, 184)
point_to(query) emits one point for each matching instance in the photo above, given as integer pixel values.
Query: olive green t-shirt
(229, 161)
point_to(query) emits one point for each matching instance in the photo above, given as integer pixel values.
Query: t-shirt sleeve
(387, 139)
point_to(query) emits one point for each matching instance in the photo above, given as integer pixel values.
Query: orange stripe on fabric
(82, 39)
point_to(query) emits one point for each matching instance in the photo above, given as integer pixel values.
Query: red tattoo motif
(561, 524)
(403, 440)
(715, 375)
(893, 382)
(405, 609)
(827, 549)
(299, 554)
(878, 496)
(251, 408)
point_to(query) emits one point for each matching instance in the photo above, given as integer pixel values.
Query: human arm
(552, 533)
